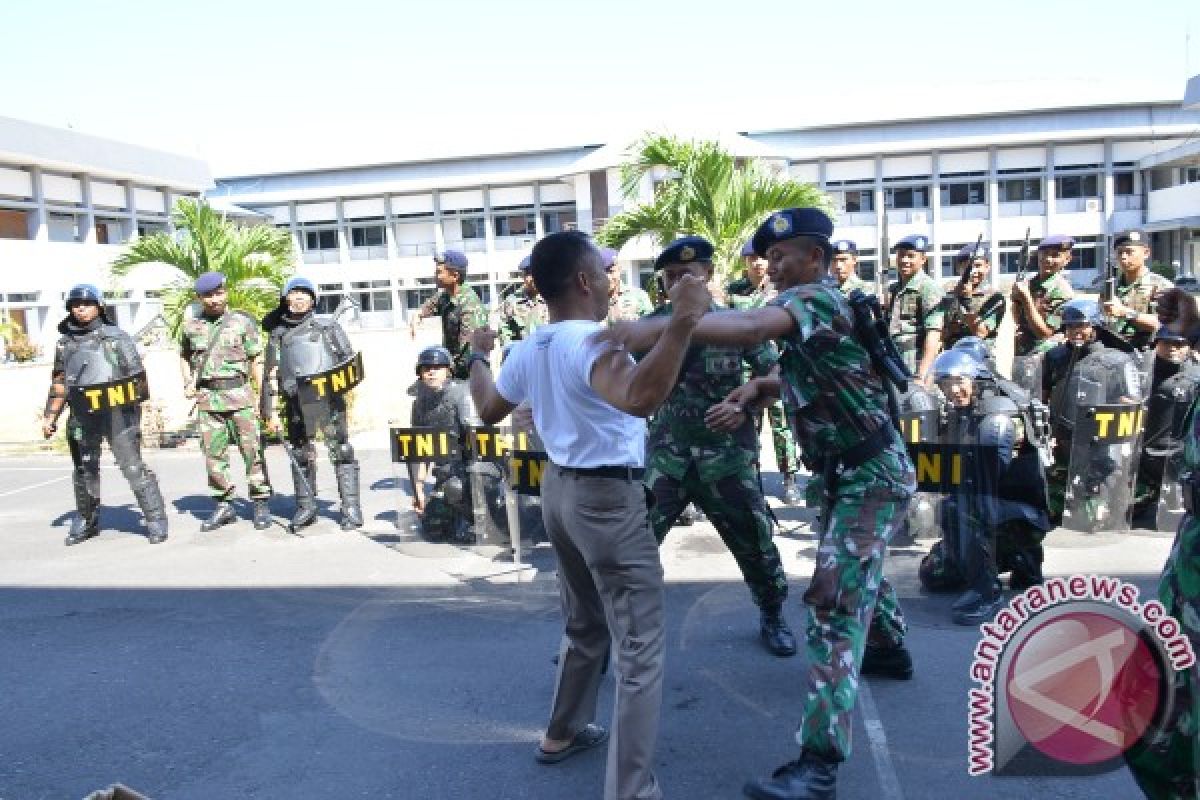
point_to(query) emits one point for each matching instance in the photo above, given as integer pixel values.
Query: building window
(379, 299)
(913, 197)
(321, 240)
(1190, 174)
(474, 228)
(1123, 183)
(964, 194)
(151, 228)
(14, 224)
(370, 236)
(1073, 186)
(514, 225)
(559, 221)
(857, 200)
(1019, 189)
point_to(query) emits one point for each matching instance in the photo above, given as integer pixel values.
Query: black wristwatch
(476, 356)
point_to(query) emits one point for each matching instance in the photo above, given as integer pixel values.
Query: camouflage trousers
(781, 437)
(1167, 766)
(850, 605)
(218, 430)
(736, 507)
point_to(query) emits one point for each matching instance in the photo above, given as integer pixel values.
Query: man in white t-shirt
(589, 406)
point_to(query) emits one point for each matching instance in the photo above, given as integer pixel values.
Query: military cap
(453, 259)
(1165, 334)
(608, 256)
(1056, 241)
(844, 246)
(1131, 237)
(748, 248)
(687, 250)
(87, 292)
(790, 223)
(968, 252)
(916, 241)
(524, 265)
(299, 283)
(209, 282)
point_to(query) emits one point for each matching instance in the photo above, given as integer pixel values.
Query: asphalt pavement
(372, 664)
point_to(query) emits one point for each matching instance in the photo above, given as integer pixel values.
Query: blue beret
(304, 284)
(88, 292)
(209, 282)
(1056, 241)
(687, 250)
(524, 265)
(844, 246)
(748, 248)
(1165, 334)
(790, 223)
(609, 256)
(917, 241)
(1131, 237)
(454, 259)
(968, 252)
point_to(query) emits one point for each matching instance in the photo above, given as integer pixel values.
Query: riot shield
(1159, 500)
(1099, 490)
(1027, 373)
(435, 455)
(317, 394)
(919, 422)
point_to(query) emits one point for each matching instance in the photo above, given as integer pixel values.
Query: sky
(259, 85)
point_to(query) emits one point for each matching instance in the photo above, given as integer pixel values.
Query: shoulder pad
(111, 332)
(997, 403)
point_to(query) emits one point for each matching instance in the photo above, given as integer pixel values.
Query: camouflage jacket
(461, 314)
(955, 325)
(630, 303)
(1048, 293)
(1140, 296)
(831, 392)
(915, 309)
(521, 315)
(743, 294)
(855, 282)
(679, 439)
(238, 346)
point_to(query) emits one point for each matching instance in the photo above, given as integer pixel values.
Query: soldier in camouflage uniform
(844, 268)
(221, 352)
(522, 311)
(1037, 303)
(836, 400)
(458, 305)
(963, 306)
(753, 290)
(624, 302)
(689, 461)
(915, 309)
(1131, 314)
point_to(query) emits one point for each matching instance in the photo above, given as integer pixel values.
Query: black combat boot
(810, 777)
(983, 597)
(305, 484)
(262, 514)
(887, 662)
(86, 523)
(347, 481)
(223, 514)
(1026, 569)
(976, 606)
(790, 494)
(776, 636)
(154, 513)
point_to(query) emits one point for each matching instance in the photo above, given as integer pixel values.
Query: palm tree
(709, 192)
(255, 259)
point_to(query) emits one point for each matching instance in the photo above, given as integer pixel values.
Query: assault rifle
(997, 300)
(884, 261)
(1023, 260)
(965, 279)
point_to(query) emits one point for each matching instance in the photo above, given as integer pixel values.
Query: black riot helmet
(434, 357)
(1081, 311)
(85, 292)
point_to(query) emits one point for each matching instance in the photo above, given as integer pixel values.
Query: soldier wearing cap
(837, 401)
(975, 309)
(93, 351)
(221, 353)
(915, 309)
(523, 310)
(1131, 312)
(715, 465)
(624, 302)
(754, 290)
(844, 269)
(457, 304)
(1037, 304)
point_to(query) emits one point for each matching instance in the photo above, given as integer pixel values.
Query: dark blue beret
(608, 256)
(454, 259)
(1056, 241)
(790, 223)
(748, 248)
(1165, 334)
(916, 241)
(844, 246)
(687, 250)
(209, 282)
(524, 265)
(968, 252)
(1131, 237)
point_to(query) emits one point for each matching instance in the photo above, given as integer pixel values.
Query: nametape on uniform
(919, 426)
(424, 445)
(955, 469)
(112, 395)
(1114, 424)
(331, 383)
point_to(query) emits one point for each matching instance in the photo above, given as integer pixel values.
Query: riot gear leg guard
(154, 512)
(348, 489)
(983, 597)
(86, 523)
(304, 479)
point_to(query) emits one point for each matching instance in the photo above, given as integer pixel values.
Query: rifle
(997, 300)
(1023, 260)
(965, 279)
(885, 261)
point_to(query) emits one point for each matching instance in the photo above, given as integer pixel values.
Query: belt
(624, 473)
(223, 383)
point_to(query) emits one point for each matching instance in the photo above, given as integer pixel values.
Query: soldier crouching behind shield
(94, 351)
(992, 521)
(300, 343)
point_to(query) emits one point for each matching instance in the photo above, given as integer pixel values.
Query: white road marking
(889, 783)
(33, 486)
